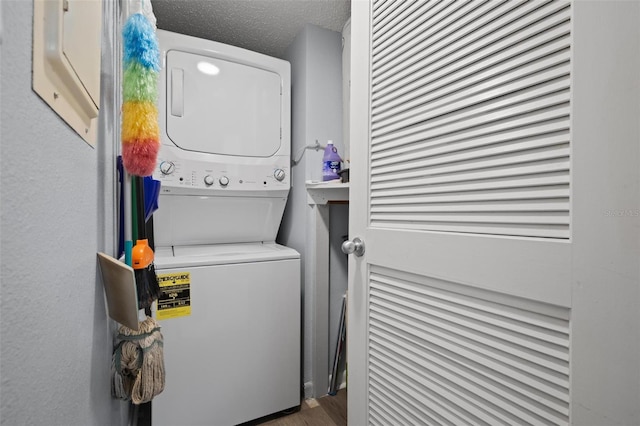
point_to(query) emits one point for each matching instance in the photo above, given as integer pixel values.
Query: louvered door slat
(482, 180)
(521, 83)
(536, 67)
(434, 302)
(504, 315)
(383, 376)
(548, 367)
(454, 398)
(462, 160)
(429, 408)
(381, 7)
(478, 52)
(478, 185)
(444, 106)
(476, 218)
(388, 26)
(473, 115)
(501, 363)
(519, 230)
(438, 15)
(476, 147)
(456, 51)
(429, 34)
(503, 195)
(405, 20)
(553, 396)
(408, 415)
(382, 19)
(445, 382)
(477, 165)
(508, 165)
(476, 127)
(423, 402)
(451, 143)
(517, 169)
(544, 353)
(455, 371)
(475, 208)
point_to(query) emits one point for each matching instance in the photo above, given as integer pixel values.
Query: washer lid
(222, 107)
(221, 254)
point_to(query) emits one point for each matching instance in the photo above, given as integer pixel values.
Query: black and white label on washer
(175, 296)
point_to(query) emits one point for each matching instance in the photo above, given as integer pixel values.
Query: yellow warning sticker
(175, 295)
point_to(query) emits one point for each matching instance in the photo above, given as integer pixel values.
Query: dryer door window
(222, 107)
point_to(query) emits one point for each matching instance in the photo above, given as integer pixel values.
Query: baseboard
(308, 387)
(308, 390)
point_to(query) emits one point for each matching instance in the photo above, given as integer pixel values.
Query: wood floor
(325, 411)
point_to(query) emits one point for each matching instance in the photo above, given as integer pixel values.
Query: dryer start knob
(223, 181)
(167, 167)
(279, 174)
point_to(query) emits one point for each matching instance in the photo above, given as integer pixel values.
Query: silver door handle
(356, 247)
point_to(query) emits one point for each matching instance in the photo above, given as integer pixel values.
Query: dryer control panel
(184, 172)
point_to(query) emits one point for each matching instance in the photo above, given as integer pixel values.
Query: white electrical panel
(66, 61)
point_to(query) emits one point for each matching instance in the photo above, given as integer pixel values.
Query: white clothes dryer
(230, 309)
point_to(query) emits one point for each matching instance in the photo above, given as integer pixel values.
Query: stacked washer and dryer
(232, 341)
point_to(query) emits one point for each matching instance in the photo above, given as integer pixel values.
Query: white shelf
(325, 192)
(319, 196)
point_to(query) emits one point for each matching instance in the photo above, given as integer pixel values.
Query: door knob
(356, 247)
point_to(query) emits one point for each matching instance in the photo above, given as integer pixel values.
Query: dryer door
(222, 107)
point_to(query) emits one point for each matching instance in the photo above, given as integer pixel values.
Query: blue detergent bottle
(330, 162)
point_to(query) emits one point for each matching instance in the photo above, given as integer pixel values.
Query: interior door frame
(357, 299)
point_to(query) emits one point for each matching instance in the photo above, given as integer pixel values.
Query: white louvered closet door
(461, 308)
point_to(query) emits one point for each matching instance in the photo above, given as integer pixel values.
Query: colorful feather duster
(140, 131)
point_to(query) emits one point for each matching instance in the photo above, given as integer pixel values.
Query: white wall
(291, 231)
(57, 212)
(316, 70)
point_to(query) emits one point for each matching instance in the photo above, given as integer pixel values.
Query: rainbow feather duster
(140, 131)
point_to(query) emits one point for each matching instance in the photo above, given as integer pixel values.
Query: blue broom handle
(128, 232)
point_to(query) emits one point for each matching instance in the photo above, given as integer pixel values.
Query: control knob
(167, 167)
(208, 180)
(223, 181)
(279, 174)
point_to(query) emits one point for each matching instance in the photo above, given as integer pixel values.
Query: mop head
(140, 131)
(137, 365)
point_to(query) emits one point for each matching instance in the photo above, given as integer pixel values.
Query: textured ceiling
(265, 26)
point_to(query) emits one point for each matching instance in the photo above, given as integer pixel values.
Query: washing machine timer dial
(208, 180)
(279, 174)
(167, 167)
(223, 181)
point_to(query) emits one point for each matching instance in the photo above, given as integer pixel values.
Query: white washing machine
(230, 309)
